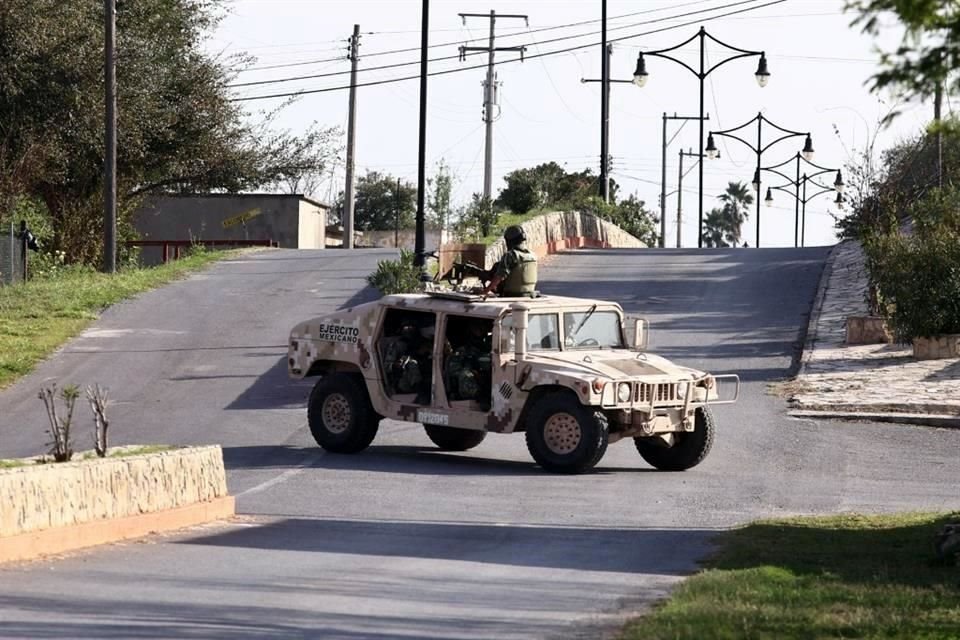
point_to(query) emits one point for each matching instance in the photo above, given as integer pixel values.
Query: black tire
(340, 416)
(453, 439)
(688, 450)
(563, 436)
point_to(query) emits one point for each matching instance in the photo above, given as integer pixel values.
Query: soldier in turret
(515, 274)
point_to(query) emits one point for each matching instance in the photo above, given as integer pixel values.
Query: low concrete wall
(561, 230)
(48, 496)
(405, 239)
(937, 347)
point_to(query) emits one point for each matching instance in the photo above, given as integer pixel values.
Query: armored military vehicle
(572, 374)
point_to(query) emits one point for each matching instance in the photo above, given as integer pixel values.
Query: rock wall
(38, 497)
(561, 230)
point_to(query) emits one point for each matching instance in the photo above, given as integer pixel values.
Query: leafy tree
(930, 48)
(177, 127)
(376, 201)
(631, 215)
(438, 198)
(549, 185)
(880, 196)
(481, 214)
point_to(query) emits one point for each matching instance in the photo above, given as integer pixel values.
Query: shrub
(917, 277)
(396, 276)
(61, 446)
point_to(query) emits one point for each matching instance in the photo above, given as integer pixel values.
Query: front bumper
(638, 395)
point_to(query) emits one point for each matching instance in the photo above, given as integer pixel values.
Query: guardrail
(179, 245)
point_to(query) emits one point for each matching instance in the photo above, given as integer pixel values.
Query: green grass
(142, 450)
(38, 316)
(827, 577)
(112, 452)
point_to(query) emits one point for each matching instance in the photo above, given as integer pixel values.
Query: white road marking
(283, 477)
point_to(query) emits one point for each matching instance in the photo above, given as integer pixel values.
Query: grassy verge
(832, 577)
(112, 452)
(38, 316)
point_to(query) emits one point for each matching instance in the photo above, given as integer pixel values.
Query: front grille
(657, 393)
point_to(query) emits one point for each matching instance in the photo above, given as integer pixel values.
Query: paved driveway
(405, 541)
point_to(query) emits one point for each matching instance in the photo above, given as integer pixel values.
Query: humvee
(565, 371)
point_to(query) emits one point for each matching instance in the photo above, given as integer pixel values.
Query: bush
(917, 277)
(396, 276)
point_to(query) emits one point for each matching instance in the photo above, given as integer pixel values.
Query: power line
(451, 57)
(472, 39)
(538, 55)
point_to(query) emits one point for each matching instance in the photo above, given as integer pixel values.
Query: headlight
(681, 390)
(623, 392)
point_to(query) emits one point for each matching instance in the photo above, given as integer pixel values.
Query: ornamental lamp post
(799, 191)
(640, 76)
(760, 147)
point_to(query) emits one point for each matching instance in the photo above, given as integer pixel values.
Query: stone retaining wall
(39, 497)
(561, 230)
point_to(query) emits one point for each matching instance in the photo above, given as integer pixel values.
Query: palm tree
(721, 227)
(714, 229)
(736, 207)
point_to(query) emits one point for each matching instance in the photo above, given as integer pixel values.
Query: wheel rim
(562, 433)
(336, 413)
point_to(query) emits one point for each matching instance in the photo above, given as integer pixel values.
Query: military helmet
(514, 234)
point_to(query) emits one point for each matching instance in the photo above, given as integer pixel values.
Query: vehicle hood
(614, 364)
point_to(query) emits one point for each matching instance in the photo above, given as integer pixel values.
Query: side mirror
(640, 335)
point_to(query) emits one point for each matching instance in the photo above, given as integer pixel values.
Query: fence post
(23, 247)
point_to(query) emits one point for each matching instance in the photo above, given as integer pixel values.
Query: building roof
(299, 196)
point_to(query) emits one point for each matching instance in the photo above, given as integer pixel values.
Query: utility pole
(605, 52)
(679, 197)
(490, 88)
(689, 154)
(110, 137)
(396, 217)
(348, 199)
(663, 173)
(420, 242)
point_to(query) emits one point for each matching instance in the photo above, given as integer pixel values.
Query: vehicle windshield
(592, 329)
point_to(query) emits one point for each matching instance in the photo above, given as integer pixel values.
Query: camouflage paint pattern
(347, 340)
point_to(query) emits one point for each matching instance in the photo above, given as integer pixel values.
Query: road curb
(810, 339)
(36, 544)
(924, 419)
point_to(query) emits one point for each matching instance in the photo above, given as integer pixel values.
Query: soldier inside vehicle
(467, 356)
(406, 351)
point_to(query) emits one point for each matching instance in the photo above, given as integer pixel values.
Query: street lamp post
(640, 79)
(796, 184)
(760, 119)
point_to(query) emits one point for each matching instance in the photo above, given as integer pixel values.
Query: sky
(819, 67)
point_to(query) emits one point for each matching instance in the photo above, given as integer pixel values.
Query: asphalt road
(403, 541)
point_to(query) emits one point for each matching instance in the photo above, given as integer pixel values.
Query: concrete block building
(290, 220)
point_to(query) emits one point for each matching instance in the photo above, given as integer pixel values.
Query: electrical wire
(459, 57)
(480, 66)
(508, 35)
